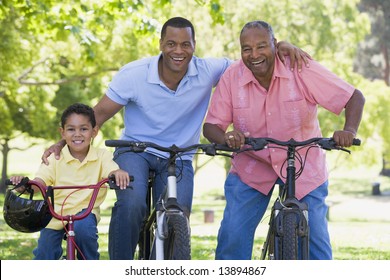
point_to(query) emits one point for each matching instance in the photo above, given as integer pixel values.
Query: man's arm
(296, 54)
(353, 116)
(105, 109)
(234, 139)
(213, 133)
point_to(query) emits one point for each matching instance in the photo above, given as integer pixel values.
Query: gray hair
(260, 25)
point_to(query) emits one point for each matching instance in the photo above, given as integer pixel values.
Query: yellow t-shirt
(68, 171)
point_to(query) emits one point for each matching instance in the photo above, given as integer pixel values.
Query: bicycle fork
(169, 198)
(295, 215)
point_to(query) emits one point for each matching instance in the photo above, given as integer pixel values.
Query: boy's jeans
(50, 241)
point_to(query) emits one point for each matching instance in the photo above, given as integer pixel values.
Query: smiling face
(258, 53)
(78, 134)
(177, 47)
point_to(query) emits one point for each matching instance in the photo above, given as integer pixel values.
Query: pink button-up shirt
(287, 110)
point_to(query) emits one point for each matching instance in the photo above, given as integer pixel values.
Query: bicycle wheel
(290, 236)
(177, 246)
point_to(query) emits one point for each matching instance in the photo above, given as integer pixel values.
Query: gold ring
(230, 137)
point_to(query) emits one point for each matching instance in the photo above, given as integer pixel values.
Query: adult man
(262, 98)
(165, 99)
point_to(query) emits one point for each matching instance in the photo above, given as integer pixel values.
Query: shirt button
(276, 167)
(269, 114)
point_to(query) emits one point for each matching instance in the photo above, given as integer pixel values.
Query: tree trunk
(386, 71)
(385, 171)
(5, 151)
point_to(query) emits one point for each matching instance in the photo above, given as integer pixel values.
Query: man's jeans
(130, 208)
(245, 207)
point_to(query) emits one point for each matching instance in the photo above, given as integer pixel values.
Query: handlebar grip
(114, 186)
(117, 143)
(23, 182)
(356, 142)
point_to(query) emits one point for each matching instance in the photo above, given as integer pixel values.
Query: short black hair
(80, 109)
(177, 22)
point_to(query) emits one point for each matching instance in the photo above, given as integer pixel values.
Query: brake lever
(331, 145)
(344, 150)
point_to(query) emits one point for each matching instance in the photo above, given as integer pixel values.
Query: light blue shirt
(155, 113)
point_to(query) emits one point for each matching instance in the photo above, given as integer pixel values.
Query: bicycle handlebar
(212, 149)
(138, 147)
(325, 143)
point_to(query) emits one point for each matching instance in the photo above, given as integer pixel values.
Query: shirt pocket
(295, 114)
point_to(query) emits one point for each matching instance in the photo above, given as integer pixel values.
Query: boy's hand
(122, 178)
(16, 180)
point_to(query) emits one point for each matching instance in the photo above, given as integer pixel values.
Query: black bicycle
(165, 233)
(288, 232)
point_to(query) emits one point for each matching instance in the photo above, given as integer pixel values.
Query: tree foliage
(373, 62)
(374, 58)
(54, 53)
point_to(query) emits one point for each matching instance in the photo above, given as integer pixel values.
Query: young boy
(79, 164)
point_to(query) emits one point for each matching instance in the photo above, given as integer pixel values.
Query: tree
(57, 53)
(373, 62)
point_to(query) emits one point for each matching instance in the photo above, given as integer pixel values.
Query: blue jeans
(245, 207)
(86, 237)
(130, 208)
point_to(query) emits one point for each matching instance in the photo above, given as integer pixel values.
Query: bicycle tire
(290, 236)
(177, 246)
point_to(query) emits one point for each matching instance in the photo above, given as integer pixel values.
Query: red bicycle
(28, 215)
